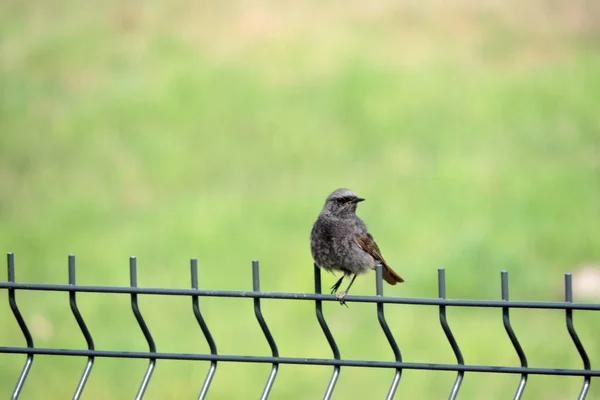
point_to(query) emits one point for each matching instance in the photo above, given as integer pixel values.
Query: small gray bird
(340, 241)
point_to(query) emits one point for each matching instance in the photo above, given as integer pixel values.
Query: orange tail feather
(390, 276)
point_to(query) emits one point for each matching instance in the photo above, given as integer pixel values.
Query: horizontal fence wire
(275, 359)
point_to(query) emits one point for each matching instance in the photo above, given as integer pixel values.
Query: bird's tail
(390, 276)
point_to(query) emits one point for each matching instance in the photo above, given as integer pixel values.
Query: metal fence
(337, 362)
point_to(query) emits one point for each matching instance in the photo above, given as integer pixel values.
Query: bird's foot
(337, 285)
(340, 296)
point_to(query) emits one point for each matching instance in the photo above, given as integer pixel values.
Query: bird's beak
(358, 200)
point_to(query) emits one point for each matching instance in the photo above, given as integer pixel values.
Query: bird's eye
(345, 200)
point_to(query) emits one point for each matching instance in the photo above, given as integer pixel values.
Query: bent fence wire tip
(21, 321)
(82, 326)
(449, 334)
(512, 335)
(204, 327)
(266, 331)
(336, 362)
(327, 333)
(387, 332)
(571, 328)
(143, 327)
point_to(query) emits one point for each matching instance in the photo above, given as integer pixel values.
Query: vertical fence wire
(328, 335)
(84, 330)
(571, 328)
(143, 327)
(12, 300)
(449, 334)
(388, 333)
(204, 327)
(265, 329)
(511, 334)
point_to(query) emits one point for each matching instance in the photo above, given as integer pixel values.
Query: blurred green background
(171, 130)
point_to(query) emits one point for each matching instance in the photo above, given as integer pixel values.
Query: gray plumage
(340, 241)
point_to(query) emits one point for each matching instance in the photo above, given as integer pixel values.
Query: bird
(340, 241)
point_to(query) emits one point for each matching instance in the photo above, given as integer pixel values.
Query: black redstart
(341, 241)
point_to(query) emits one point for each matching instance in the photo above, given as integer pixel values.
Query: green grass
(169, 134)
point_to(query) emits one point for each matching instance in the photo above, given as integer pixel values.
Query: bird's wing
(368, 244)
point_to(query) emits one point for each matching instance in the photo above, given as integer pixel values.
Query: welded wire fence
(336, 362)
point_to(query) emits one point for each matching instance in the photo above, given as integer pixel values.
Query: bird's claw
(340, 296)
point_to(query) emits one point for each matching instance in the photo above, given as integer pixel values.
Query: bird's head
(342, 202)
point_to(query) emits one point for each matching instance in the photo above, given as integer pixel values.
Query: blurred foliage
(170, 130)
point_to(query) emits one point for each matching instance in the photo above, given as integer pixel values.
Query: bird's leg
(337, 285)
(340, 296)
